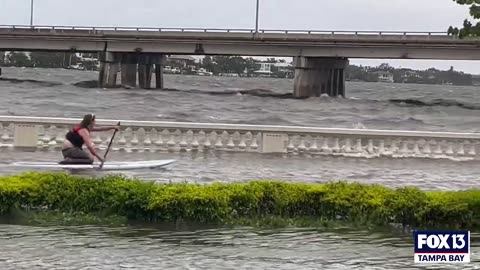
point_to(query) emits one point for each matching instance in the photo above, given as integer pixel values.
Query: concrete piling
(129, 70)
(108, 70)
(145, 71)
(315, 76)
(129, 65)
(158, 76)
(159, 60)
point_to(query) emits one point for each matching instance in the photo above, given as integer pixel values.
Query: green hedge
(226, 203)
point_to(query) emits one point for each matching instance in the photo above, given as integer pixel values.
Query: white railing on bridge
(44, 133)
(221, 30)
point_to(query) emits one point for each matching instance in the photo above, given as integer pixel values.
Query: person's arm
(107, 128)
(88, 143)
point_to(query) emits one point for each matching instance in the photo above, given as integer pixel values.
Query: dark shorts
(75, 155)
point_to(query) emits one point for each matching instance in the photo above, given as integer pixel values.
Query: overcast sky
(402, 15)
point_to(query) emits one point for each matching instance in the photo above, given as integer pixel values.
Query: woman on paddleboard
(78, 136)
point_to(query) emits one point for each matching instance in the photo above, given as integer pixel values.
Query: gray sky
(402, 15)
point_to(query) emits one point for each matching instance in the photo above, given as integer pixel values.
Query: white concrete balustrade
(47, 134)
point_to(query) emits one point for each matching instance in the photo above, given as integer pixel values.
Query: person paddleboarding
(79, 135)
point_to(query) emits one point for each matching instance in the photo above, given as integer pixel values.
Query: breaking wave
(40, 83)
(435, 102)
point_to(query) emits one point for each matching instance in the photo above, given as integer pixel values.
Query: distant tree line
(405, 75)
(39, 59)
(468, 28)
(238, 65)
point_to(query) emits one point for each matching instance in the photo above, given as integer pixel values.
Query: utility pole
(256, 22)
(31, 12)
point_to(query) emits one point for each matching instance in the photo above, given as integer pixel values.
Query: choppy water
(52, 92)
(230, 167)
(90, 247)
(217, 99)
(44, 92)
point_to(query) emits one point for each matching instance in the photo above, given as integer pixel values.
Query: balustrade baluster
(325, 148)
(230, 144)
(129, 137)
(314, 145)
(122, 142)
(183, 140)
(254, 144)
(381, 147)
(291, 145)
(472, 151)
(426, 149)
(359, 147)
(141, 135)
(301, 146)
(449, 150)
(404, 149)
(171, 142)
(370, 148)
(195, 143)
(148, 141)
(60, 138)
(134, 141)
(347, 148)
(336, 145)
(5, 135)
(207, 143)
(460, 149)
(438, 149)
(46, 137)
(393, 147)
(218, 143)
(159, 142)
(416, 148)
(242, 145)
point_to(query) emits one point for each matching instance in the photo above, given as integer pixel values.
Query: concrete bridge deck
(306, 43)
(320, 57)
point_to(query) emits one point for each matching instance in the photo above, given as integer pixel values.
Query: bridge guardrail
(222, 30)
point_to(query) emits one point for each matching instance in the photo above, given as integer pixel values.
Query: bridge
(320, 56)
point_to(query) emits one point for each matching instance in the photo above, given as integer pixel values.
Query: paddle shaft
(109, 145)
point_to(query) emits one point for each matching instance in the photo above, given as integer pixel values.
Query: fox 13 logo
(438, 247)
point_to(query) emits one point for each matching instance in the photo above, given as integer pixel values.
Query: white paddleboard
(109, 165)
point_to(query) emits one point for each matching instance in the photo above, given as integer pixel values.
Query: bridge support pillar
(315, 76)
(107, 77)
(129, 70)
(159, 60)
(145, 68)
(145, 62)
(159, 76)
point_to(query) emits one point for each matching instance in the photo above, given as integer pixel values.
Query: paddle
(109, 145)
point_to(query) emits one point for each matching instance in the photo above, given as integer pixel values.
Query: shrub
(227, 203)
